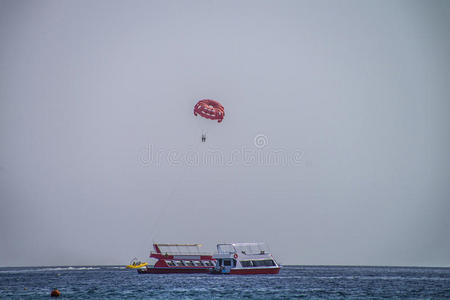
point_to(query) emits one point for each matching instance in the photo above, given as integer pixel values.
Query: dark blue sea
(310, 282)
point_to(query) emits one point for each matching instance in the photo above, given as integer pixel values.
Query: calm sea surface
(314, 282)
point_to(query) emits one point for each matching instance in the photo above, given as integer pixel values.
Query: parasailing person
(209, 109)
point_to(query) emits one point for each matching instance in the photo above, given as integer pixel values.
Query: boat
(136, 264)
(179, 258)
(244, 259)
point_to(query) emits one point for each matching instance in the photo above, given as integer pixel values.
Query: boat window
(190, 263)
(270, 262)
(227, 262)
(198, 263)
(246, 263)
(179, 263)
(208, 263)
(258, 263)
(263, 263)
(170, 263)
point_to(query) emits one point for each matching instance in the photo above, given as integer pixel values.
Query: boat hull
(254, 271)
(171, 270)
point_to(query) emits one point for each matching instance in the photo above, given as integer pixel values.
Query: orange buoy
(55, 293)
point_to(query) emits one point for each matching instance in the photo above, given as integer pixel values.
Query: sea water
(311, 282)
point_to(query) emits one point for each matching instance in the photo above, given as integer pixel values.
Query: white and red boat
(179, 258)
(244, 258)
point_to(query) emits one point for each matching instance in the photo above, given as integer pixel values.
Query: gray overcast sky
(349, 101)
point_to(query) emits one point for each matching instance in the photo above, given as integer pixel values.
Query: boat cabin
(244, 258)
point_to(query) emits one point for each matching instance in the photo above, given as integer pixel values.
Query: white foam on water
(49, 269)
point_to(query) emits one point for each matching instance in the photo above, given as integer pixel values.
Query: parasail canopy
(209, 109)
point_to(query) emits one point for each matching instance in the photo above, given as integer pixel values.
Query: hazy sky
(334, 148)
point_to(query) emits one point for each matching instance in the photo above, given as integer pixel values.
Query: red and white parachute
(209, 109)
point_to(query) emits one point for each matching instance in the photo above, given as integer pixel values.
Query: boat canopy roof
(172, 249)
(246, 248)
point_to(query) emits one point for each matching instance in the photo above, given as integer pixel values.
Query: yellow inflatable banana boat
(136, 264)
